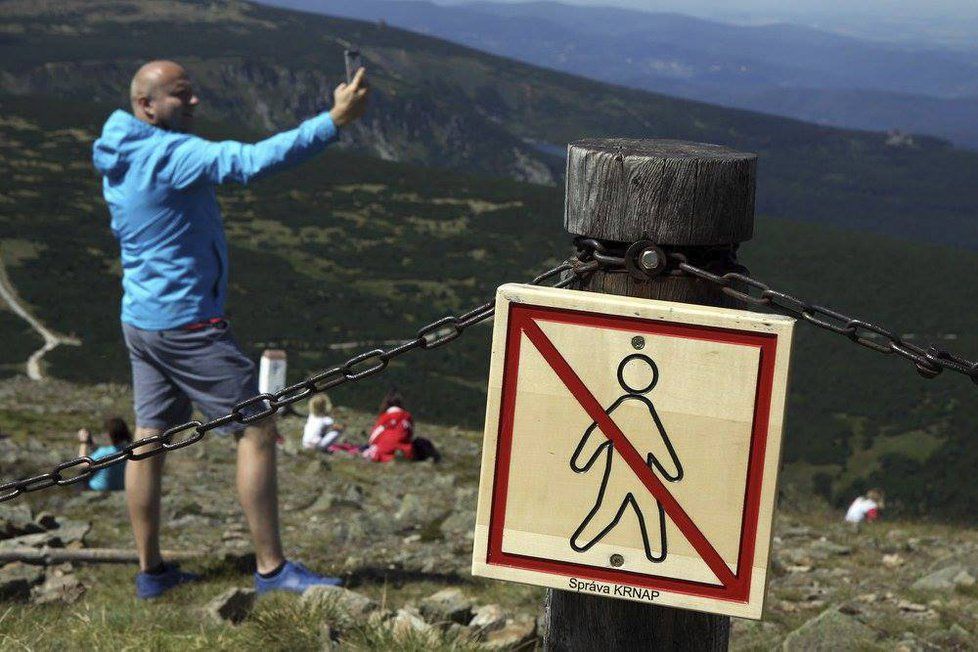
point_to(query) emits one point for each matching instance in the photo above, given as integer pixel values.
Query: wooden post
(672, 193)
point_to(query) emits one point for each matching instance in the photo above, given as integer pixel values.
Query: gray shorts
(174, 370)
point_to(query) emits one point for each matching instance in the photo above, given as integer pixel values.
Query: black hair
(118, 431)
(393, 398)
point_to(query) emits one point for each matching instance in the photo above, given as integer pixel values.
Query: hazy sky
(944, 9)
(944, 22)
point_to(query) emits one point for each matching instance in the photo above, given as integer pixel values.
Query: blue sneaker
(153, 586)
(293, 577)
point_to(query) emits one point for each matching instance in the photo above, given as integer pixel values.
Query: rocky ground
(400, 535)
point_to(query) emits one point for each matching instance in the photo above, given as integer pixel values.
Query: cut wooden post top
(672, 192)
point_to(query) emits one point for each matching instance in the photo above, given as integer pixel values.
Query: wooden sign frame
(763, 341)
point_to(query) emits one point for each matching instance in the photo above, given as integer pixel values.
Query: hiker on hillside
(117, 433)
(393, 437)
(321, 430)
(392, 432)
(866, 508)
(158, 181)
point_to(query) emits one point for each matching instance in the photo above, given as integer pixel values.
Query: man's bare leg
(144, 480)
(258, 492)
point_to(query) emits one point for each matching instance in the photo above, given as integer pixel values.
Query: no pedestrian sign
(632, 448)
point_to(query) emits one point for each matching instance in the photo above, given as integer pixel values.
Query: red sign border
(736, 591)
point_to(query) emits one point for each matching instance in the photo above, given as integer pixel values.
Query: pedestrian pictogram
(632, 448)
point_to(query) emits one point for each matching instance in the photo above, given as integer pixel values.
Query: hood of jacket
(122, 135)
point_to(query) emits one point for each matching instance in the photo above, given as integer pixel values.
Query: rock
(893, 561)
(16, 580)
(830, 630)
(412, 510)
(796, 531)
(72, 531)
(355, 604)
(459, 522)
(46, 520)
(63, 588)
(353, 494)
(906, 605)
(488, 618)
(323, 503)
(964, 578)
(448, 605)
(407, 623)
(958, 634)
(17, 520)
(941, 580)
(38, 540)
(825, 548)
(517, 633)
(232, 606)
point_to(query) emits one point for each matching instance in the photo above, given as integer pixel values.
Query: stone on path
(16, 580)
(408, 623)
(16, 520)
(830, 630)
(448, 605)
(39, 540)
(518, 633)
(413, 510)
(355, 604)
(64, 588)
(488, 618)
(941, 580)
(232, 606)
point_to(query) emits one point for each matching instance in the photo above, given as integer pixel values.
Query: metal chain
(366, 364)
(592, 256)
(930, 360)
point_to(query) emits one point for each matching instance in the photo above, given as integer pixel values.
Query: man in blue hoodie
(158, 181)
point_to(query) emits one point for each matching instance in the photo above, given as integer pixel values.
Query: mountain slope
(444, 105)
(353, 251)
(852, 83)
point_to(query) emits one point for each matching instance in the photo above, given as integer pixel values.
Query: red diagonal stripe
(628, 453)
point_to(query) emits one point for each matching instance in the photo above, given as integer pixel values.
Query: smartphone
(353, 63)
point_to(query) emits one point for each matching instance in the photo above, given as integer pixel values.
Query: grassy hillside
(440, 104)
(398, 533)
(353, 249)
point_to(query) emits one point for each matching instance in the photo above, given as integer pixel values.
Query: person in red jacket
(393, 431)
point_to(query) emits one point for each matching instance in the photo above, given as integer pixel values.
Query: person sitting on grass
(321, 431)
(393, 431)
(114, 477)
(865, 508)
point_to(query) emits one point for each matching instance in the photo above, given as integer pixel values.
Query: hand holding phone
(353, 63)
(350, 98)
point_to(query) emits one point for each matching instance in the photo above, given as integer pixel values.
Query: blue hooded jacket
(159, 186)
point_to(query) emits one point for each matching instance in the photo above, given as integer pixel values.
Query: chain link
(733, 279)
(256, 408)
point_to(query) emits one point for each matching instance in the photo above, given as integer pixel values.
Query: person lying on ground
(320, 431)
(118, 435)
(159, 183)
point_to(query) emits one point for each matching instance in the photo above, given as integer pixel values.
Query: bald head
(161, 95)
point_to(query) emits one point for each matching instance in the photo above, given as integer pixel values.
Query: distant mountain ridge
(443, 105)
(854, 83)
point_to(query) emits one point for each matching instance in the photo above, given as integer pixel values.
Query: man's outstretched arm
(195, 159)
